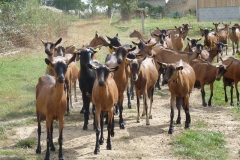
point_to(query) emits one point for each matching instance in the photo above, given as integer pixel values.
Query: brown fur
(177, 39)
(139, 35)
(234, 37)
(105, 97)
(209, 38)
(180, 83)
(231, 77)
(144, 79)
(206, 73)
(51, 103)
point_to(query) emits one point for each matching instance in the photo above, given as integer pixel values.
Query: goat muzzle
(61, 79)
(101, 83)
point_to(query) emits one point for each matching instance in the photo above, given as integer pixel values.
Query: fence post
(142, 17)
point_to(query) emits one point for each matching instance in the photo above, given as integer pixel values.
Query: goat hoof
(204, 104)
(67, 114)
(170, 131)
(132, 98)
(112, 134)
(96, 151)
(61, 158)
(38, 151)
(129, 106)
(147, 124)
(85, 127)
(101, 141)
(232, 104)
(109, 147)
(186, 126)
(52, 148)
(138, 121)
(178, 122)
(150, 116)
(122, 126)
(143, 114)
(82, 111)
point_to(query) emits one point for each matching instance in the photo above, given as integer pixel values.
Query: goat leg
(101, 140)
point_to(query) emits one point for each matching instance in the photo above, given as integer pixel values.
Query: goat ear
(188, 39)
(176, 27)
(58, 41)
(112, 69)
(128, 60)
(134, 43)
(43, 43)
(117, 35)
(70, 49)
(163, 65)
(92, 66)
(72, 59)
(138, 56)
(110, 39)
(229, 64)
(199, 39)
(48, 62)
(131, 49)
(156, 35)
(96, 34)
(180, 68)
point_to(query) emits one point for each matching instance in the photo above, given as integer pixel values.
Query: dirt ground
(137, 141)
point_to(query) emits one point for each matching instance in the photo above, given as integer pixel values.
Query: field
(214, 131)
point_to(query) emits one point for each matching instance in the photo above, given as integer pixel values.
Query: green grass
(197, 144)
(26, 143)
(20, 72)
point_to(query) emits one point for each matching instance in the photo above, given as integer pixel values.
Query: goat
(49, 50)
(139, 35)
(144, 75)
(234, 35)
(115, 42)
(191, 44)
(209, 55)
(177, 39)
(104, 97)
(180, 77)
(206, 73)
(51, 102)
(72, 73)
(168, 55)
(209, 37)
(163, 40)
(231, 77)
(223, 34)
(121, 77)
(86, 79)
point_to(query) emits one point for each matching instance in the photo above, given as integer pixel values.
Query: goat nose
(218, 78)
(101, 83)
(61, 79)
(119, 61)
(135, 78)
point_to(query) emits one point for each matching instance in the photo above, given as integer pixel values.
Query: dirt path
(138, 141)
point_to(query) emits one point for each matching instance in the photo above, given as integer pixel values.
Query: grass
(20, 72)
(197, 144)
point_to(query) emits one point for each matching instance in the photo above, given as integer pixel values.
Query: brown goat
(177, 39)
(234, 35)
(72, 73)
(209, 37)
(231, 77)
(144, 75)
(49, 50)
(105, 97)
(139, 35)
(206, 73)
(223, 34)
(163, 40)
(209, 55)
(51, 102)
(121, 76)
(168, 55)
(180, 77)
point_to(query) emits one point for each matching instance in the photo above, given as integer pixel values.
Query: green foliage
(26, 143)
(197, 144)
(150, 8)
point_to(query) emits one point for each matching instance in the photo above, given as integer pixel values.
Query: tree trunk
(109, 12)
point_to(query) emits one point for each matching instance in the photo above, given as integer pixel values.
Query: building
(218, 10)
